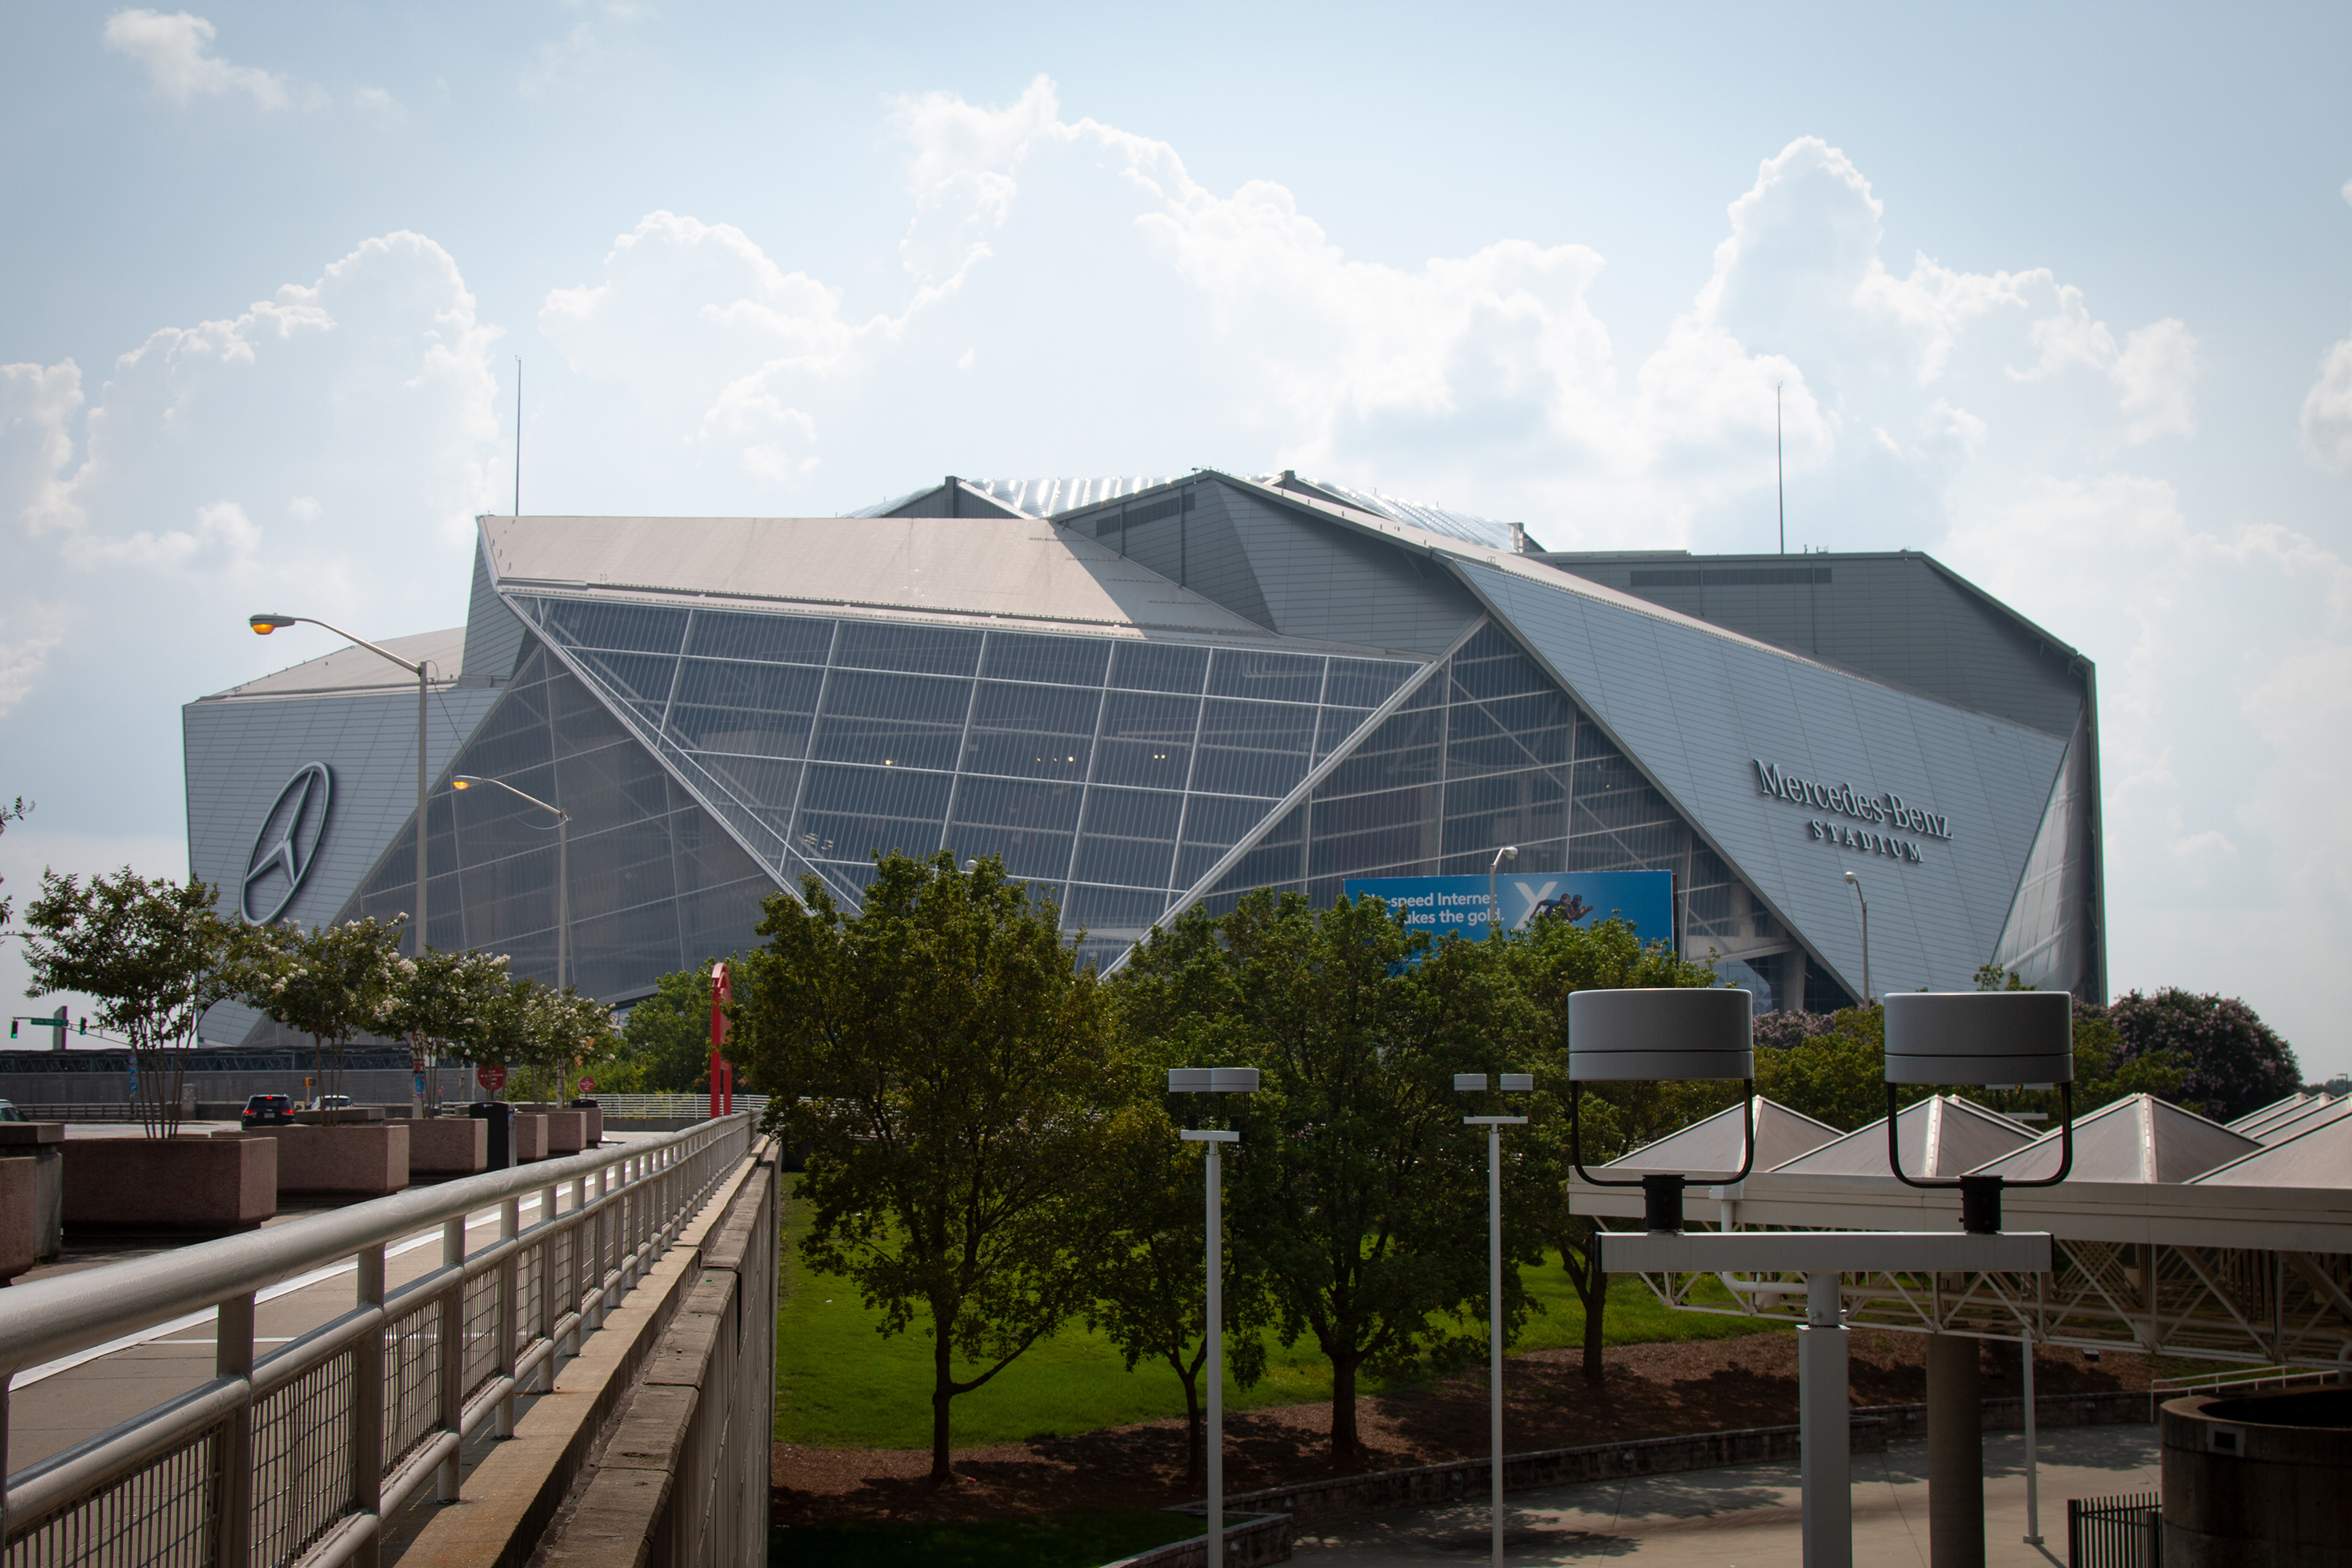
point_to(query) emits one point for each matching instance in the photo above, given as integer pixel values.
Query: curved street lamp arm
(414, 667)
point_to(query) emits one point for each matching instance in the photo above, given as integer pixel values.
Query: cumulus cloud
(176, 49)
(2327, 409)
(326, 446)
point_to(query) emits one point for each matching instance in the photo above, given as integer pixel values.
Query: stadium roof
(354, 669)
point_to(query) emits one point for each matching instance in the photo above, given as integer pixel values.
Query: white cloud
(2327, 409)
(176, 49)
(588, 46)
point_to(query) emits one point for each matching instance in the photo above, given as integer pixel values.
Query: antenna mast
(518, 438)
(1779, 474)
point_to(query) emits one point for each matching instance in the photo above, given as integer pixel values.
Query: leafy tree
(333, 983)
(545, 1033)
(154, 955)
(2231, 1061)
(952, 1070)
(665, 1041)
(1553, 959)
(1150, 1281)
(440, 1000)
(1356, 1186)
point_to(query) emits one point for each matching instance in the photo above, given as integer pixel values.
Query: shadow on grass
(1063, 1540)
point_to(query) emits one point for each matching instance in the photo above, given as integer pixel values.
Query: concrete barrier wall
(682, 1476)
(213, 1184)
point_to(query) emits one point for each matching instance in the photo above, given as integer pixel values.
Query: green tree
(952, 1070)
(154, 954)
(1356, 1187)
(543, 1033)
(666, 1041)
(333, 983)
(2231, 1061)
(440, 1000)
(1552, 959)
(2104, 1073)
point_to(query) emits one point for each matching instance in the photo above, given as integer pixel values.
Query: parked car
(331, 1102)
(268, 1111)
(8, 1111)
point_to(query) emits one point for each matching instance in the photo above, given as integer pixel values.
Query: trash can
(499, 1115)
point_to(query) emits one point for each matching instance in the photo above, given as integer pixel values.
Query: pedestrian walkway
(1746, 1515)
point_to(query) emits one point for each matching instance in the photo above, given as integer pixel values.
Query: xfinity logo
(288, 844)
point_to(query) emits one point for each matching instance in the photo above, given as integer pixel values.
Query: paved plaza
(1746, 1515)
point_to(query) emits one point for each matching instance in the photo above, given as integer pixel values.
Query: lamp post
(1931, 1038)
(1512, 1083)
(562, 868)
(265, 624)
(1214, 1080)
(1493, 909)
(1855, 883)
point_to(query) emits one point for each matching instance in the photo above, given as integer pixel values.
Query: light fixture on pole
(563, 868)
(266, 623)
(1988, 1037)
(1661, 1035)
(1855, 883)
(1511, 1083)
(1214, 1080)
(1493, 909)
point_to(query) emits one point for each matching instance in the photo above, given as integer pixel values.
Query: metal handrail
(662, 1181)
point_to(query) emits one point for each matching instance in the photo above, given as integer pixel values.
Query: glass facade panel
(1100, 768)
(1489, 752)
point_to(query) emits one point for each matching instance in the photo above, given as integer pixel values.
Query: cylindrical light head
(1232, 1080)
(1470, 1082)
(1660, 1035)
(263, 624)
(1188, 1080)
(1979, 1036)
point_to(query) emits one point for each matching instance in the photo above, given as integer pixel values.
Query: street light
(1512, 1083)
(1493, 909)
(562, 868)
(1657, 1035)
(1855, 883)
(1214, 1080)
(265, 624)
(1983, 1037)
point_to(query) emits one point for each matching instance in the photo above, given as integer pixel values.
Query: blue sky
(2062, 296)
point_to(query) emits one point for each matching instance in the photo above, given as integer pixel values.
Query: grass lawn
(1065, 1541)
(841, 1386)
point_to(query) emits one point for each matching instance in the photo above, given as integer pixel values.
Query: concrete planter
(179, 1183)
(530, 1134)
(596, 1134)
(567, 1133)
(39, 1144)
(442, 1146)
(20, 1219)
(368, 1159)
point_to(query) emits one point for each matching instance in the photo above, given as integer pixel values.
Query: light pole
(1214, 1080)
(1855, 883)
(265, 624)
(562, 868)
(1512, 1083)
(1493, 909)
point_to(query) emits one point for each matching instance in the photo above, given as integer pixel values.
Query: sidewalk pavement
(1746, 1515)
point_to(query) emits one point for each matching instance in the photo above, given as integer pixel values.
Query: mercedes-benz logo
(288, 844)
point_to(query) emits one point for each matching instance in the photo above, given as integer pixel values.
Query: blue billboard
(1458, 905)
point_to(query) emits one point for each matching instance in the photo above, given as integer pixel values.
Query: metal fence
(2114, 1531)
(672, 1107)
(298, 1455)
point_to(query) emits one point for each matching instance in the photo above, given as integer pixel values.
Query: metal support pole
(233, 1357)
(543, 1325)
(562, 899)
(424, 779)
(575, 1265)
(1216, 1334)
(1825, 1429)
(2033, 1456)
(504, 1322)
(1495, 1319)
(1955, 1537)
(452, 1358)
(367, 1406)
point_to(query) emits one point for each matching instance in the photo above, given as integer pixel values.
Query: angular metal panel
(1698, 712)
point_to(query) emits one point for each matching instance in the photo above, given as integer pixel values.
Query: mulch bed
(1649, 1391)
